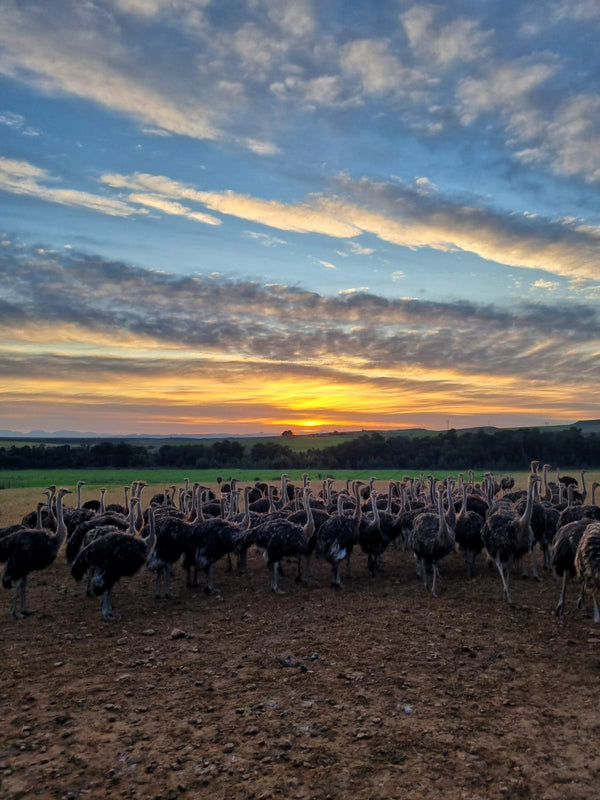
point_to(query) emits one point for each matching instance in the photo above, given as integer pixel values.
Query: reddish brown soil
(375, 691)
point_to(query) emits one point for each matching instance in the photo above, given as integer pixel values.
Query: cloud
(301, 218)
(458, 40)
(264, 238)
(393, 212)
(507, 87)
(377, 69)
(82, 51)
(17, 122)
(359, 250)
(23, 178)
(77, 326)
(356, 290)
(173, 208)
(549, 286)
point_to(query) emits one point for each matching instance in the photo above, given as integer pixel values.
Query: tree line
(510, 449)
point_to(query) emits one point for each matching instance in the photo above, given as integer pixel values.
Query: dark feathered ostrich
(587, 564)
(336, 539)
(432, 539)
(30, 550)
(467, 532)
(563, 549)
(172, 531)
(207, 541)
(507, 536)
(109, 558)
(109, 519)
(371, 537)
(284, 539)
(46, 518)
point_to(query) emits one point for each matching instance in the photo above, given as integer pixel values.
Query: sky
(269, 215)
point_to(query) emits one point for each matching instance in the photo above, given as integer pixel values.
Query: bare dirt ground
(375, 691)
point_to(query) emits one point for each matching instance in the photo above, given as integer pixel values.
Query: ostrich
(336, 539)
(371, 537)
(507, 535)
(96, 505)
(18, 526)
(75, 541)
(48, 517)
(29, 550)
(564, 547)
(121, 508)
(171, 532)
(587, 564)
(468, 532)
(432, 539)
(207, 541)
(284, 539)
(110, 557)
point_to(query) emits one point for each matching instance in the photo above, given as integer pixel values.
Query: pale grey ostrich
(30, 550)
(507, 536)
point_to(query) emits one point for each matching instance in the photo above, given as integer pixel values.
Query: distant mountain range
(92, 435)
(587, 426)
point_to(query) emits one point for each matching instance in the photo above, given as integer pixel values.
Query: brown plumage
(30, 550)
(432, 539)
(109, 558)
(507, 536)
(587, 564)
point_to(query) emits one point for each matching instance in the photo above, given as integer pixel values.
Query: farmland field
(375, 691)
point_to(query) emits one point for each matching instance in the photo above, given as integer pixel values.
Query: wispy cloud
(23, 178)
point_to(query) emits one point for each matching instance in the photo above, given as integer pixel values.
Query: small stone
(229, 747)
(149, 632)
(177, 633)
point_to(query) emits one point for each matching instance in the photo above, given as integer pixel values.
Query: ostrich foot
(560, 607)
(277, 590)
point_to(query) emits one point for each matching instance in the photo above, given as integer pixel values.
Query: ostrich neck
(451, 514)
(61, 528)
(309, 527)
(526, 516)
(358, 506)
(583, 487)
(375, 509)
(131, 529)
(245, 523)
(443, 531)
(463, 509)
(151, 540)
